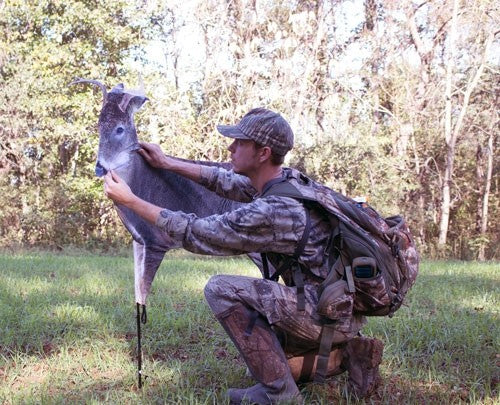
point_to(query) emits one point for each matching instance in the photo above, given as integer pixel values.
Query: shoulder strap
(289, 260)
(281, 187)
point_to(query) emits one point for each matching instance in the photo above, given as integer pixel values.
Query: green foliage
(68, 334)
(374, 129)
(47, 133)
(357, 166)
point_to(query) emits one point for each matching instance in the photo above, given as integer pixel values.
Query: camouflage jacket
(271, 224)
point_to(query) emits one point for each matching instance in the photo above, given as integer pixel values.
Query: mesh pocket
(371, 296)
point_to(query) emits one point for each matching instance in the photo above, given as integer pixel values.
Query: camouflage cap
(264, 127)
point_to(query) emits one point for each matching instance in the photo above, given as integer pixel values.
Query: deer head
(117, 133)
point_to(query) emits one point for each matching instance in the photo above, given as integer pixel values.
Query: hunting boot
(361, 359)
(264, 357)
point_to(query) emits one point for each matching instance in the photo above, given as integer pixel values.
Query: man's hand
(116, 189)
(153, 154)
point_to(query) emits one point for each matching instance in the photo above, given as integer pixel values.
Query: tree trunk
(451, 132)
(75, 160)
(479, 183)
(448, 135)
(486, 195)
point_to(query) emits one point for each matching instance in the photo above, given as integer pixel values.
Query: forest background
(392, 100)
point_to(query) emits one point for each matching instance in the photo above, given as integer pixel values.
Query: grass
(67, 335)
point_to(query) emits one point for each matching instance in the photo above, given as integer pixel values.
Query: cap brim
(231, 131)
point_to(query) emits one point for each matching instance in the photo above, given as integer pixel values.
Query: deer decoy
(118, 145)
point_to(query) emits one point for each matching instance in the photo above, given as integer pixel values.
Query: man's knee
(217, 293)
(212, 287)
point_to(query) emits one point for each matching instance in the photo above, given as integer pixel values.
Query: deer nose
(100, 170)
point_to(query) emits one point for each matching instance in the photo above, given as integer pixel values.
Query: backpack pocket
(371, 296)
(336, 302)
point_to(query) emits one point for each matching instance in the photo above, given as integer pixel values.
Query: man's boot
(264, 357)
(361, 359)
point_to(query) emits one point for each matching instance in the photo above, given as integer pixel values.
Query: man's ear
(265, 153)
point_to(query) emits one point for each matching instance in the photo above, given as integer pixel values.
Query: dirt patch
(48, 348)
(33, 375)
(404, 390)
(221, 354)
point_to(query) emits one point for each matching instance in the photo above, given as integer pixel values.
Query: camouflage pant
(299, 331)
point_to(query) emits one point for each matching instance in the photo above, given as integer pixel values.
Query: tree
(385, 101)
(47, 130)
(453, 129)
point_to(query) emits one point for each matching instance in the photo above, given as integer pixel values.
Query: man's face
(244, 156)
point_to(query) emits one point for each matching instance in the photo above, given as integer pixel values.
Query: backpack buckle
(395, 245)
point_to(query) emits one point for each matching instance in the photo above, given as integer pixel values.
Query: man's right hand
(153, 154)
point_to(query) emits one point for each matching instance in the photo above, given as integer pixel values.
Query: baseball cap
(264, 127)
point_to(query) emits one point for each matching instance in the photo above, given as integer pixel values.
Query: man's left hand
(116, 189)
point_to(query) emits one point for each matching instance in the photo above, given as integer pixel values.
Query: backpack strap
(281, 187)
(325, 347)
(292, 262)
(265, 266)
(349, 279)
(298, 280)
(333, 254)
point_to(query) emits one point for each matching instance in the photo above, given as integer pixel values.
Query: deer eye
(119, 130)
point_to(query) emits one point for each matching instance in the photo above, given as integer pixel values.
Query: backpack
(375, 256)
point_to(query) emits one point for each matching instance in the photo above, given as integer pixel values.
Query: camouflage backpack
(375, 256)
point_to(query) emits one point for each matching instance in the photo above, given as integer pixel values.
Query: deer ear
(118, 88)
(131, 102)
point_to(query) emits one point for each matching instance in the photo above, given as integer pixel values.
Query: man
(272, 331)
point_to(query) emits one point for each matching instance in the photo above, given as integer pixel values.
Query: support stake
(140, 318)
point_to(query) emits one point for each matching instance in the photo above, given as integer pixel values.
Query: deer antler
(95, 82)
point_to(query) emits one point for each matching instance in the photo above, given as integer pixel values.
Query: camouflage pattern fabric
(300, 331)
(274, 225)
(271, 224)
(387, 241)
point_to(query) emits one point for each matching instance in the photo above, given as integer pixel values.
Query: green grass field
(67, 326)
